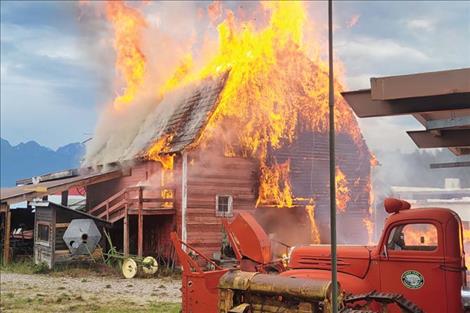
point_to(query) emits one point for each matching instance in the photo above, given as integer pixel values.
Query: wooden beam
(6, 238)
(64, 198)
(48, 177)
(421, 84)
(140, 226)
(184, 198)
(364, 106)
(460, 150)
(126, 231)
(447, 138)
(62, 225)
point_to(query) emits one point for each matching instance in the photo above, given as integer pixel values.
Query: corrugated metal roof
(28, 192)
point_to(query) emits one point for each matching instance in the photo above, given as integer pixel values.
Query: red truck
(417, 266)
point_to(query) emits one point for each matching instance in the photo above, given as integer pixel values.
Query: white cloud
(379, 49)
(389, 133)
(421, 24)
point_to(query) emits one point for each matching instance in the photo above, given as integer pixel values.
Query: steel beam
(446, 139)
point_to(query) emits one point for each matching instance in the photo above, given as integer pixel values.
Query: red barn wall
(210, 173)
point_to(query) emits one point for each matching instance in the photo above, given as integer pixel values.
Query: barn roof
(50, 184)
(181, 116)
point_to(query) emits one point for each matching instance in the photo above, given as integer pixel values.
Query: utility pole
(331, 105)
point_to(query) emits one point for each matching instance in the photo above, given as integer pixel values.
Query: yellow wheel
(129, 268)
(149, 265)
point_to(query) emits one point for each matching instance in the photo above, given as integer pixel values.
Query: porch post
(140, 230)
(6, 241)
(126, 230)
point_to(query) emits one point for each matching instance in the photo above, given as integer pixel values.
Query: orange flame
(159, 152)
(315, 234)
(466, 242)
(275, 188)
(342, 191)
(273, 90)
(128, 24)
(417, 235)
(370, 229)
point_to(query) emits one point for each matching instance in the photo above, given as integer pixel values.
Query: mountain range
(31, 159)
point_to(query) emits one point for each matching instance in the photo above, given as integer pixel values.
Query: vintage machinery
(251, 245)
(417, 266)
(82, 236)
(255, 292)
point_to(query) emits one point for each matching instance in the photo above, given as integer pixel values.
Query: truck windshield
(418, 237)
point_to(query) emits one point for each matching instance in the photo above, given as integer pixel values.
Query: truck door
(410, 264)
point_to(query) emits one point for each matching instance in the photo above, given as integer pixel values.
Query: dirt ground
(90, 293)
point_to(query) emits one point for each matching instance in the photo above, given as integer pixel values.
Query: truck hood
(354, 260)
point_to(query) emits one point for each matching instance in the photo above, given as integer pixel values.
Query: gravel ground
(62, 291)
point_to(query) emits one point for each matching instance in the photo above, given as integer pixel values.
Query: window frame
(387, 253)
(49, 234)
(229, 212)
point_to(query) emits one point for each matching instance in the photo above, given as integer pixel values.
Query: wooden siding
(44, 252)
(209, 174)
(309, 175)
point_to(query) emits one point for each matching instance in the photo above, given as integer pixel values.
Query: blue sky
(56, 71)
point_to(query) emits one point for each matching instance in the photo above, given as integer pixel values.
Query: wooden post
(140, 227)
(6, 241)
(64, 200)
(126, 230)
(184, 198)
(107, 211)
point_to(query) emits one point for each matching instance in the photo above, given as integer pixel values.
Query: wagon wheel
(149, 265)
(129, 268)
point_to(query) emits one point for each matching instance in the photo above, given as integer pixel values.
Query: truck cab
(420, 255)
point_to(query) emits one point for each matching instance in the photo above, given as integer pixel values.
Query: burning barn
(187, 174)
(246, 132)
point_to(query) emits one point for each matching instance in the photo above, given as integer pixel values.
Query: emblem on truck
(412, 279)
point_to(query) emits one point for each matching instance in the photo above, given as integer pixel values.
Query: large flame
(466, 241)
(342, 191)
(315, 234)
(273, 91)
(368, 220)
(128, 24)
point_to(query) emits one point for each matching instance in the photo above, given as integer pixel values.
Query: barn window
(223, 204)
(43, 232)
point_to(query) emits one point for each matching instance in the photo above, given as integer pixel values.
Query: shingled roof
(192, 114)
(182, 115)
